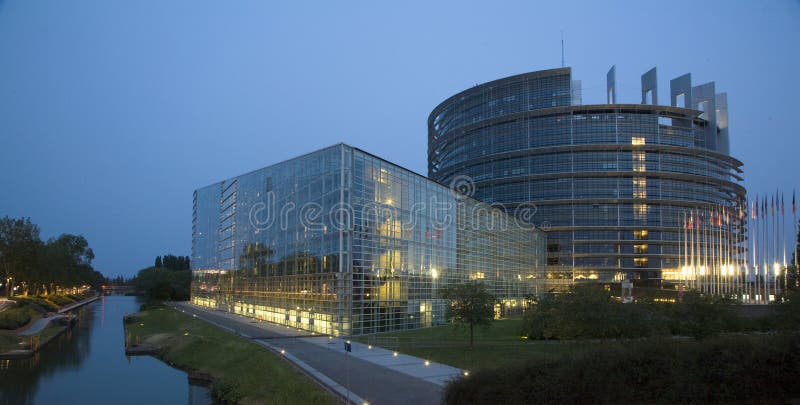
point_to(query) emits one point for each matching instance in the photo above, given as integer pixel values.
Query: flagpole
(796, 232)
(783, 237)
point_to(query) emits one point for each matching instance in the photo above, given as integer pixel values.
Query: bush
(723, 369)
(43, 304)
(588, 312)
(59, 300)
(151, 304)
(16, 317)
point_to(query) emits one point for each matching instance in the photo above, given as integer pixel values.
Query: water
(87, 365)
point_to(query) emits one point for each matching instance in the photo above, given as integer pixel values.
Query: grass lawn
(11, 341)
(244, 372)
(495, 346)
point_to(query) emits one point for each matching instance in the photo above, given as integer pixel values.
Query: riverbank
(24, 342)
(239, 370)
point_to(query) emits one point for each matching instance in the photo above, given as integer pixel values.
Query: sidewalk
(39, 325)
(78, 304)
(373, 375)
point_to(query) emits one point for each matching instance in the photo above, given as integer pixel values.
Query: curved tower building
(613, 183)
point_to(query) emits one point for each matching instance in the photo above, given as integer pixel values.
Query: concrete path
(373, 375)
(72, 306)
(39, 325)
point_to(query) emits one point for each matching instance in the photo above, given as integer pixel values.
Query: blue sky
(113, 112)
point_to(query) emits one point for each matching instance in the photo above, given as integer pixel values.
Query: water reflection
(88, 365)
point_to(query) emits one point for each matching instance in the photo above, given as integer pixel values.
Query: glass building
(612, 182)
(341, 242)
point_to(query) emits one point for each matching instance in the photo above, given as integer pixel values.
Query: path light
(369, 347)
(186, 333)
(394, 354)
(427, 363)
(283, 351)
(466, 373)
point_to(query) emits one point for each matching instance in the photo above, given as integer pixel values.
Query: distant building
(613, 182)
(341, 242)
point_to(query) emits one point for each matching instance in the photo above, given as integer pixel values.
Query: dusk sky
(113, 112)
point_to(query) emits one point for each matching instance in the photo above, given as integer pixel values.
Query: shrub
(722, 369)
(59, 300)
(589, 312)
(16, 317)
(43, 304)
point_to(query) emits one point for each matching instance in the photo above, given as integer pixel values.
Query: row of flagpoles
(722, 253)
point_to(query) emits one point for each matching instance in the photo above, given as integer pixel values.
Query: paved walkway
(373, 375)
(72, 306)
(39, 325)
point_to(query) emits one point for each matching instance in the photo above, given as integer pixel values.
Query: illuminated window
(478, 275)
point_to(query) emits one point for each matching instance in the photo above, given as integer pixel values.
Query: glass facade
(611, 182)
(341, 242)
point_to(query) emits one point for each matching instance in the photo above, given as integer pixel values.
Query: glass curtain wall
(341, 242)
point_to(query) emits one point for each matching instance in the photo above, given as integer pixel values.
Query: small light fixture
(394, 354)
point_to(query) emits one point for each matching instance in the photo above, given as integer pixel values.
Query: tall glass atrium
(341, 242)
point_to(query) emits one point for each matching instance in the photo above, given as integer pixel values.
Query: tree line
(32, 266)
(172, 262)
(169, 279)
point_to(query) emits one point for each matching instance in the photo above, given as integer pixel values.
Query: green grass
(11, 341)
(244, 372)
(497, 345)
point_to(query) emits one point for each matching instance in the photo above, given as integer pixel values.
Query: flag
(781, 204)
(753, 209)
(772, 205)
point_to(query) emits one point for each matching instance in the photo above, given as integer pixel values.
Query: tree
(158, 261)
(19, 245)
(471, 304)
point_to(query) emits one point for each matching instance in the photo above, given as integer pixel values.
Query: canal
(87, 365)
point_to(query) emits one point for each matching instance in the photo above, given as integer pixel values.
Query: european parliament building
(611, 182)
(341, 242)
